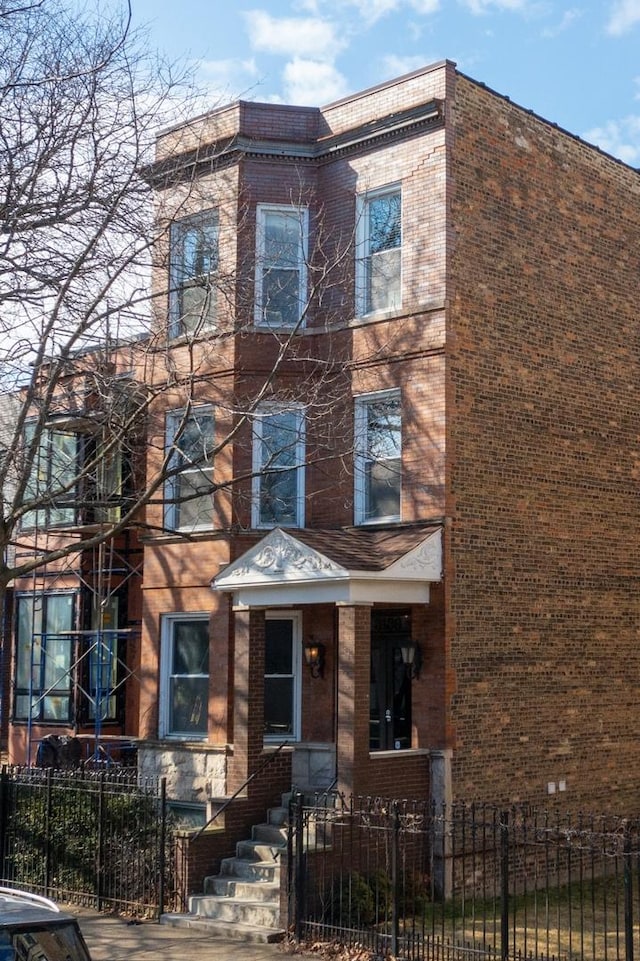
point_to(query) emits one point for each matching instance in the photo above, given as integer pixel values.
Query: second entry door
(390, 692)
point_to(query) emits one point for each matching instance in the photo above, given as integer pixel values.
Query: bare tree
(86, 343)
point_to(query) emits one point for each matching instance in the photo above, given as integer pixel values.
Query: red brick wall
(543, 462)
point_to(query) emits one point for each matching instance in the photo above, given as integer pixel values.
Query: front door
(282, 659)
(390, 700)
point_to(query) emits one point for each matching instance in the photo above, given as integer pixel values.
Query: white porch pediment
(282, 570)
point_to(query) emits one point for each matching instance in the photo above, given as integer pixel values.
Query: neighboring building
(444, 465)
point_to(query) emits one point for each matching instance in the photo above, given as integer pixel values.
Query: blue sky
(576, 63)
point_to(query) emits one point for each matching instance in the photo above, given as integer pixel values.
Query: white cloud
(624, 15)
(425, 7)
(229, 78)
(568, 19)
(289, 36)
(310, 83)
(621, 138)
(370, 11)
(483, 6)
(394, 66)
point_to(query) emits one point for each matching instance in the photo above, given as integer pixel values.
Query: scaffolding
(86, 667)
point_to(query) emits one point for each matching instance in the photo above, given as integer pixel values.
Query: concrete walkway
(111, 938)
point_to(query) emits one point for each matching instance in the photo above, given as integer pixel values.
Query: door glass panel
(279, 679)
(390, 691)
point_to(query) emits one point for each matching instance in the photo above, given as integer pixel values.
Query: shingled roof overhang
(355, 566)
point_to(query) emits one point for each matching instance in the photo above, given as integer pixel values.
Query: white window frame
(362, 249)
(296, 656)
(301, 216)
(173, 419)
(263, 415)
(361, 446)
(167, 625)
(178, 283)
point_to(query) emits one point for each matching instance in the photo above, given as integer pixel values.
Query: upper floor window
(54, 463)
(281, 254)
(194, 261)
(184, 678)
(189, 487)
(278, 459)
(378, 460)
(378, 265)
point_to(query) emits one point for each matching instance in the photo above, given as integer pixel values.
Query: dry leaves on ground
(330, 951)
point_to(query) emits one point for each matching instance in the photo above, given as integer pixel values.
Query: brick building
(399, 533)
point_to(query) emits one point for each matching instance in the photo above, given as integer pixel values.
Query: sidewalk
(111, 938)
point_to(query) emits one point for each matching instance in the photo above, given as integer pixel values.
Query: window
(282, 663)
(103, 660)
(378, 463)
(278, 458)
(106, 484)
(379, 251)
(189, 488)
(194, 261)
(44, 655)
(280, 265)
(184, 689)
(54, 469)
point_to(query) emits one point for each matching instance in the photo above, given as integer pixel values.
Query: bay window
(193, 265)
(379, 249)
(278, 466)
(189, 486)
(378, 457)
(281, 254)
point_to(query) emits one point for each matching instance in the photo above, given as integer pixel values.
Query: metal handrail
(268, 759)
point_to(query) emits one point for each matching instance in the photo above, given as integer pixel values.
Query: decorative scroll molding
(424, 561)
(281, 557)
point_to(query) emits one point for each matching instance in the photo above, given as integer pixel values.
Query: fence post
(100, 846)
(300, 865)
(628, 899)
(3, 820)
(47, 831)
(504, 892)
(395, 879)
(163, 841)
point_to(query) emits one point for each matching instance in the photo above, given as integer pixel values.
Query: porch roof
(336, 566)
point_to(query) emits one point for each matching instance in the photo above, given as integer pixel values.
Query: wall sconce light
(314, 656)
(411, 658)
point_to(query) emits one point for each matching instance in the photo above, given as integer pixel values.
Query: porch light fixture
(411, 658)
(314, 656)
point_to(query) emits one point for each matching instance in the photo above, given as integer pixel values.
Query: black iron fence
(468, 882)
(96, 838)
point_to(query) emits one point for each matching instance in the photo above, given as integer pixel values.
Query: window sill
(180, 537)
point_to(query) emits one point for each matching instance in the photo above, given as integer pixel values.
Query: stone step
(248, 868)
(259, 851)
(262, 914)
(232, 887)
(279, 815)
(249, 933)
(270, 834)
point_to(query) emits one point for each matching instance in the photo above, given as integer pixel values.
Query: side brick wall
(542, 462)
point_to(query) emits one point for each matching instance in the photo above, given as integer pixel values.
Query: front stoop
(243, 901)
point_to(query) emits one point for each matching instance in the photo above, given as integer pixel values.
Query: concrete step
(259, 851)
(232, 887)
(262, 914)
(270, 834)
(222, 929)
(279, 815)
(250, 869)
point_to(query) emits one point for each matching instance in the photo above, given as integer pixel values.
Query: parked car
(33, 928)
